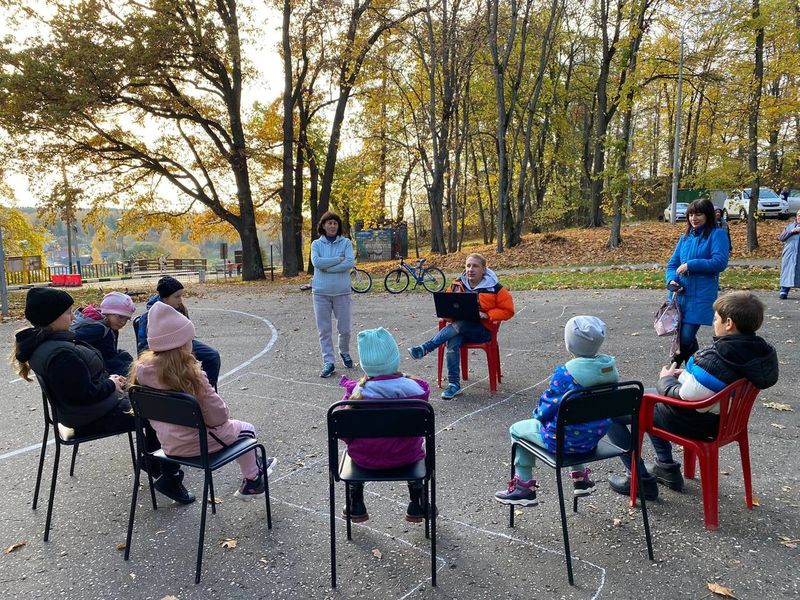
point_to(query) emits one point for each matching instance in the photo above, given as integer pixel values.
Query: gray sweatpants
(342, 309)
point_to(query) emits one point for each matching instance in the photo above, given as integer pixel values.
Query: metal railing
(107, 270)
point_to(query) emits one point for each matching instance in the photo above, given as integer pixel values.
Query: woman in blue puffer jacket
(693, 270)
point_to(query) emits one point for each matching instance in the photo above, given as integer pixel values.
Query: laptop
(457, 306)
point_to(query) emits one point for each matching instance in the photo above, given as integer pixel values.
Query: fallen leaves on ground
(778, 426)
(13, 547)
(720, 590)
(377, 553)
(121, 546)
(228, 543)
(617, 522)
(756, 502)
(789, 542)
(778, 406)
(215, 500)
(170, 598)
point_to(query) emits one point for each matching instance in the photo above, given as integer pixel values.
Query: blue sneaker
(452, 391)
(347, 359)
(327, 370)
(417, 352)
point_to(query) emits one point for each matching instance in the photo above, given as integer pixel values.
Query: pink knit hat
(117, 303)
(167, 328)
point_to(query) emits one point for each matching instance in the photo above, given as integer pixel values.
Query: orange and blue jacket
(493, 299)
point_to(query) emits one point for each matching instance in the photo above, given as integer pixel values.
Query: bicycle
(431, 278)
(360, 281)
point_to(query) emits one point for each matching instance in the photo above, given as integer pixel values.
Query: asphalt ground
(270, 352)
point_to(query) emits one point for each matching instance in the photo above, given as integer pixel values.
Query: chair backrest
(606, 401)
(135, 324)
(176, 408)
(735, 405)
(381, 419)
(48, 406)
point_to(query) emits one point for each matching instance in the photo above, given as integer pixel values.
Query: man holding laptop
(474, 298)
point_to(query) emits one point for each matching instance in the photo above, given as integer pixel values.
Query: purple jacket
(386, 453)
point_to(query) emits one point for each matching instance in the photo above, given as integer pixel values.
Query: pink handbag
(668, 318)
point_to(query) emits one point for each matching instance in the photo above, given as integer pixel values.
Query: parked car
(794, 202)
(680, 211)
(769, 204)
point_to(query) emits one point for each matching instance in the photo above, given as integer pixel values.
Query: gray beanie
(583, 335)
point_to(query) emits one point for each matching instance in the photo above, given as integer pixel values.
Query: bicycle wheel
(433, 279)
(360, 281)
(396, 281)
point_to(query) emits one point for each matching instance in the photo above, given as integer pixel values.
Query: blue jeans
(688, 335)
(209, 359)
(456, 334)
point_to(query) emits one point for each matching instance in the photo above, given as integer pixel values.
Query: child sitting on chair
(170, 365)
(583, 336)
(380, 360)
(736, 353)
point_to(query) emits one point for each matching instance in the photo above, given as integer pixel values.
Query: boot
(358, 510)
(415, 513)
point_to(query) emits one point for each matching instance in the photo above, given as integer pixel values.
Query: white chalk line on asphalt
(279, 400)
(16, 380)
(259, 374)
(267, 348)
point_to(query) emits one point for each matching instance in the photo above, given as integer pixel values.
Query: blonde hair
(480, 258)
(177, 370)
(23, 368)
(358, 395)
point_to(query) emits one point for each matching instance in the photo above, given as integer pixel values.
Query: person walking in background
(700, 255)
(790, 265)
(333, 258)
(722, 223)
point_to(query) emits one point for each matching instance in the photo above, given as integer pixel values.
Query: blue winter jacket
(707, 257)
(332, 275)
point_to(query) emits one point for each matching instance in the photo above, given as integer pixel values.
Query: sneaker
(784, 296)
(668, 475)
(622, 485)
(172, 487)
(327, 370)
(417, 352)
(250, 488)
(451, 392)
(519, 493)
(581, 484)
(416, 514)
(346, 359)
(271, 462)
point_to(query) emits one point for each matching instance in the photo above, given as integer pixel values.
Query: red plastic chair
(491, 348)
(735, 404)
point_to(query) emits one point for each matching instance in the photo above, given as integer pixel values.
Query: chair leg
(347, 509)
(266, 486)
(41, 468)
(492, 371)
(464, 364)
(744, 452)
(709, 480)
(499, 368)
(511, 506)
(136, 475)
(440, 360)
(636, 477)
(52, 492)
(689, 462)
(211, 493)
(433, 528)
(203, 511)
(425, 507)
(332, 503)
(564, 526)
(133, 452)
(72, 463)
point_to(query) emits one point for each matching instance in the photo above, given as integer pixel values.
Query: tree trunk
(288, 251)
(752, 129)
(298, 206)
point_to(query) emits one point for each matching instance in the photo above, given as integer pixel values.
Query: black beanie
(44, 305)
(167, 286)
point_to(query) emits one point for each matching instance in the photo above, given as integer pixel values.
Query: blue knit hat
(378, 352)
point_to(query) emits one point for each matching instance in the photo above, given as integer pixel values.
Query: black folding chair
(182, 409)
(585, 405)
(51, 420)
(380, 419)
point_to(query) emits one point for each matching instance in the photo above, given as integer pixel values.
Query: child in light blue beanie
(380, 360)
(583, 336)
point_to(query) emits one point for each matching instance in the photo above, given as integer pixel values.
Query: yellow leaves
(778, 406)
(756, 502)
(14, 547)
(720, 590)
(121, 546)
(228, 543)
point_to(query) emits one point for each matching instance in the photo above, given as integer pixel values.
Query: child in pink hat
(170, 365)
(100, 329)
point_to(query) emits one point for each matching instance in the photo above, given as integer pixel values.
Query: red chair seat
(491, 348)
(735, 405)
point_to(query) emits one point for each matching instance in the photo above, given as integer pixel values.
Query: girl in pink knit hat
(100, 329)
(170, 365)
